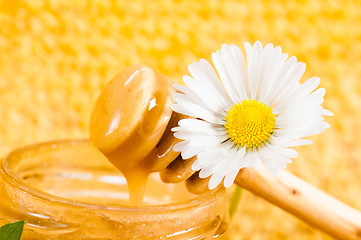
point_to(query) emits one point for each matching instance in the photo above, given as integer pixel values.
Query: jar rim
(10, 177)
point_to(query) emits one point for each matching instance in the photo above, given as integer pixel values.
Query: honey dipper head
(120, 107)
(131, 115)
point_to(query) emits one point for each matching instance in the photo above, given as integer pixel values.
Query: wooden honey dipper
(131, 125)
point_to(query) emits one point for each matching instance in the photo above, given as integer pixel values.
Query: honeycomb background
(56, 56)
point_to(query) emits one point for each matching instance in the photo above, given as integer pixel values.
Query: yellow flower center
(250, 123)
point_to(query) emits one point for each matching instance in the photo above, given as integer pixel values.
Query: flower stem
(237, 194)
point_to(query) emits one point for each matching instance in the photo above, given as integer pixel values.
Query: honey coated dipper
(127, 125)
(131, 124)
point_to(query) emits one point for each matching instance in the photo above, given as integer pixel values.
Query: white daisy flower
(251, 116)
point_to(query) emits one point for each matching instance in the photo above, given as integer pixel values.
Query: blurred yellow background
(55, 57)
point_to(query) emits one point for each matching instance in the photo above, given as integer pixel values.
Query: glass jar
(68, 190)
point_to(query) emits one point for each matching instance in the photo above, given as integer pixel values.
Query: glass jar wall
(68, 190)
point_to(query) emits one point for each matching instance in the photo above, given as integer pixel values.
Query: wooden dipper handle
(304, 201)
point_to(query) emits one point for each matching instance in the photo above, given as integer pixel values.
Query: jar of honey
(69, 190)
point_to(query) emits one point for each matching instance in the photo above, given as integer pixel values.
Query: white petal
(196, 111)
(273, 78)
(257, 163)
(183, 88)
(196, 166)
(254, 67)
(305, 89)
(175, 129)
(249, 52)
(270, 166)
(229, 179)
(325, 112)
(199, 126)
(215, 180)
(210, 156)
(225, 77)
(207, 141)
(287, 152)
(320, 92)
(243, 84)
(289, 82)
(206, 172)
(202, 90)
(262, 77)
(250, 159)
(212, 76)
(273, 166)
(296, 142)
(268, 152)
(201, 85)
(268, 69)
(189, 152)
(180, 97)
(199, 141)
(271, 70)
(310, 85)
(236, 67)
(233, 164)
(227, 149)
(222, 166)
(184, 135)
(216, 89)
(191, 99)
(178, 147)
(282, 75)
(191, 105)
